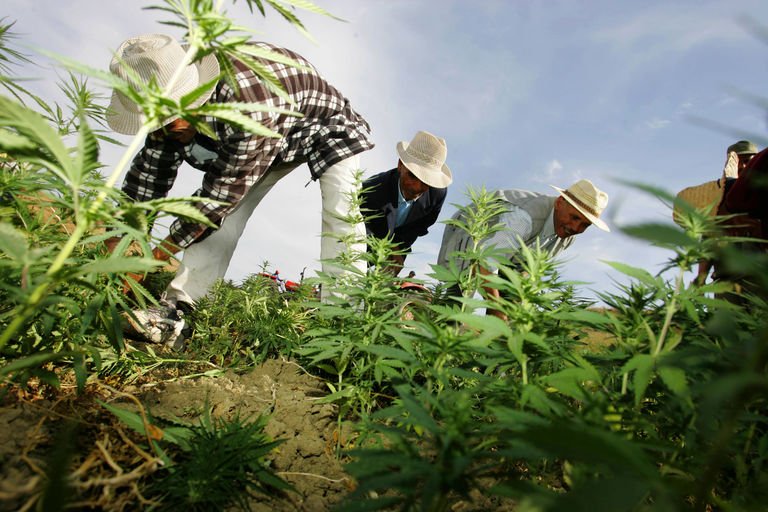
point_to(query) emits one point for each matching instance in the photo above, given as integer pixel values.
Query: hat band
(428, 159)
(581, 203)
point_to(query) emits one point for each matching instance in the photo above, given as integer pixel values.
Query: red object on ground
(291, 286)
(408, 285)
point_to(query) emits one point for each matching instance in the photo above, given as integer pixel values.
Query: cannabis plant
(221, 464)
(670, 413)
(213, 464)
(62, 274)
(247, 323)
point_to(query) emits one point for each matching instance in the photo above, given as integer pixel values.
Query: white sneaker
(157, 324)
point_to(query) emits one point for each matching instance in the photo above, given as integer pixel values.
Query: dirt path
(30, 426)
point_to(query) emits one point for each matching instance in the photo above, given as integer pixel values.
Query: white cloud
(657, 123)
(554, 173)
(672, 28)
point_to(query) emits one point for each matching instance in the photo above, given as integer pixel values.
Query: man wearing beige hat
(532, 218)
(239, 167)
(404, 202)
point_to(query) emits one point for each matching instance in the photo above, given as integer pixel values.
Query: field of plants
(377, 399)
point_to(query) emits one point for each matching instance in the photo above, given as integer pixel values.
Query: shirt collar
(400, 198)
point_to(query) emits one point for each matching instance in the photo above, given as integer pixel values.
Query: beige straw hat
(155, 56)
(425, 158)
(588, 199)
(706, 196)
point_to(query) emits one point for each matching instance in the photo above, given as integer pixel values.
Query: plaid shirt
(328, 132)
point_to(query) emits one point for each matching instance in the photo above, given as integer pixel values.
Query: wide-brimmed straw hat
(588, 199)
(704, 197)
(743, 147)
(155, 56)
(425, 158)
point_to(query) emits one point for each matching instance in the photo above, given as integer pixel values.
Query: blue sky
(526, 94)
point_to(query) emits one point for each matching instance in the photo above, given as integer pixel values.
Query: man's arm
(243, 159)
(705, 266)
(154, 169)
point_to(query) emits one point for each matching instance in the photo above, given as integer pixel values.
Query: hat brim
(706, 196)
(129, 122)
(590, 217)
(431, 175)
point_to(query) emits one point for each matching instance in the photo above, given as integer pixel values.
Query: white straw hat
(588, 199)
(425, 158)
(155, 56)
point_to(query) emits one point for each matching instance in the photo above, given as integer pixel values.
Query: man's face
(743, 161)
(410, 186)
(178, 130)
(568, 220)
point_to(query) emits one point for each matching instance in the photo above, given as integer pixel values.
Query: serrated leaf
(642, 365)
(487, 327)
(568, 381)
(591, 446)
(246, 107)
(335, 396)
(418, 414)
(244, 122)
(50, 151)
(309, 6)
(32, 361)
(87, 153)
(11, 143)
(118, 264)
(132, 420)
(638, 273)
(661, 234)
(540, 401)
(262, 53)
(592, 318)
(675, 380)
(390, 352)
(187, 211)
(189, 98)
(13, 243)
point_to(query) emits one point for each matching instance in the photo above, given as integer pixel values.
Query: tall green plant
(248, 323)
(35, 146)
(672, 413)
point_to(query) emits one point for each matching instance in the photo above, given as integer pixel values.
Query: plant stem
(25, 310)
(671, 310)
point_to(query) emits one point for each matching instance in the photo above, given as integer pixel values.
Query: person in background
(404, 202)
(748, 195)
(746, 202)
(551, 222)
(711, 193)
(239, 168)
